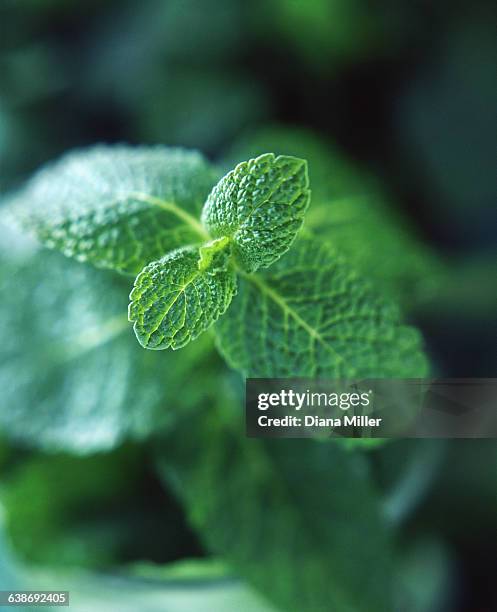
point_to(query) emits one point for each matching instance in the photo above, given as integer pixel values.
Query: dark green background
(405, 89)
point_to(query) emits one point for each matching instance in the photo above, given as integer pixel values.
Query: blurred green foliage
(48, 503)
(272, 510)
(81, 369)
(393, 105)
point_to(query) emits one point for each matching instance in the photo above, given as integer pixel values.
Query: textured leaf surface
(310, 315)
(298, 519)
(260, 205)
(71, 372)
(350, 210)
(118, 207)
(178, 297)
(331, 175)
(376, 241)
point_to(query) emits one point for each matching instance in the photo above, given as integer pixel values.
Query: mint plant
(232, 261)
(307, 313)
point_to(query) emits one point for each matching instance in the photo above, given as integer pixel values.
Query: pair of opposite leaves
(251, 217)
(122, 208)
(308, 314)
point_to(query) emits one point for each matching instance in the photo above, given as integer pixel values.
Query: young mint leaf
(260, 206)
(311, 315)
(178, 297)
(352, 212)
(331, 174)
(298, 519)
(118, 207)
(69, 362)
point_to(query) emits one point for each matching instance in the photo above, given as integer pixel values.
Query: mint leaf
(298, 519)
(118, 207)
(376, 240)
(351, 211)
(69, 362)
(331, 174)
(178, 297)
(260, 205)
(311, 315)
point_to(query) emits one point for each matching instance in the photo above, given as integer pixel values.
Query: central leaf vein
(287, 309)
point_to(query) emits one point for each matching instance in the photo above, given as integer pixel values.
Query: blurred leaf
(425, 578)
(298, 519)
(325, 32)
(97, 511)
(365, 444)
(4, 452)
(186, 569)
(375, 240)
(195, 88)
(466, 291)
(9, 572)
(121, 593)
(310, 315)
(49, 502)
(229, 99)
(29, 74)
(117, 207)
(69, 362)
(406, 471)
(146, 44)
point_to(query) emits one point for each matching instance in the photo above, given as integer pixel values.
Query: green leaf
(187, 570)
(298, 519)
(331, 174)
(178, 297)
(11, 575)
(311, 315)
(118, 207)
(54, 531)
(124, 593)
(69, 362)
(352, 211)
(426, 576)
(260, 205)
(376, 240)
